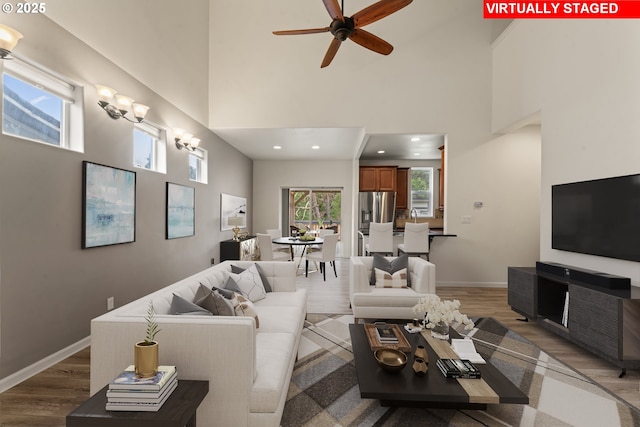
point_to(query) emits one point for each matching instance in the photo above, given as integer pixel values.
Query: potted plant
(146, 352)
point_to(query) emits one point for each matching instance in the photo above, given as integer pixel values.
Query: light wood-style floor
(46, 398)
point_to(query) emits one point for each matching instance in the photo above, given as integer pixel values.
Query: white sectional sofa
(248, 368)
(369, 302)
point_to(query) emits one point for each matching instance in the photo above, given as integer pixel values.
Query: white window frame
(420, 210)
(71, 93)
(159, 135)
(203, 155)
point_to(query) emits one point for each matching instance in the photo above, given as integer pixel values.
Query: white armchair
(369, 302)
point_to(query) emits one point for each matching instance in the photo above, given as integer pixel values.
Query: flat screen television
(598, 217)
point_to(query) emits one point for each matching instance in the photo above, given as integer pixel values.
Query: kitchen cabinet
(402, 185)
(378, 178)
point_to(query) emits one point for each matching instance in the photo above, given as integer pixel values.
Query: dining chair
(321, 234)
(276, 233)
(380, 238)
(416, 239)
(326, 254)
(266, 249)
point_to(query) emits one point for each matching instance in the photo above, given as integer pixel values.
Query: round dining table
(295, 241)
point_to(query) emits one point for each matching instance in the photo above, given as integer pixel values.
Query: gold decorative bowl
(390, 360)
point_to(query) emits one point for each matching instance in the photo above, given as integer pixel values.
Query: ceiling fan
(343, 27)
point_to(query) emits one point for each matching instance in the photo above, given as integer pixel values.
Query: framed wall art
(231, 206)
(108, 205)
(181, 211)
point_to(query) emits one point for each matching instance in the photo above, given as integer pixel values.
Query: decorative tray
(374, 342)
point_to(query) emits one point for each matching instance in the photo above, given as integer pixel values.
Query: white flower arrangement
(436, 310)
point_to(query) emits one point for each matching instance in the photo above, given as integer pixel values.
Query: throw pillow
(390, 267)
(387, 280)
(203, 290)
(180, 305)
(231, 286)
(216, 304)
(250, 283)
(244, 307)
(265, 282)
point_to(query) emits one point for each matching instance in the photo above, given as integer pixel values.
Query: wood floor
(46, 398)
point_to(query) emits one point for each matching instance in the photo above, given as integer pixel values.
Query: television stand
(598, 311)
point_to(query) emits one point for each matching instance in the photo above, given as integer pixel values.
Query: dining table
(297, 242)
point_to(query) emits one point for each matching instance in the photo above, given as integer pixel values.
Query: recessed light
(415, 139)
(277, 147)
(416, 154)
(380, 151)
(315, 147)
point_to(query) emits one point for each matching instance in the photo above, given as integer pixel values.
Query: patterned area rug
(324, 388)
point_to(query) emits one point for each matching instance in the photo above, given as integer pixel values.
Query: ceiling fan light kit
(343, 28)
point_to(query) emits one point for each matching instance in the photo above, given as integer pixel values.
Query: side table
(178, 411)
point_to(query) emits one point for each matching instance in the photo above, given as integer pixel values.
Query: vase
(419, 366)
(440, 331)
(145, 359)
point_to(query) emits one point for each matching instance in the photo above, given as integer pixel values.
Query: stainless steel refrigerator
(377, 206)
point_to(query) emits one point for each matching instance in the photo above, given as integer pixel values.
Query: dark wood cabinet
(602, 320)
(402, 192)
(241, 250)
(378, 178)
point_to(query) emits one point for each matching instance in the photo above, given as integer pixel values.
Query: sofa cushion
(390, 267)
(279, 319)
(216, 304)
(388, 280)
(274, 352)
(265, 280)
(250, 283)
(180, 305)
(386, 297)
(244, 307)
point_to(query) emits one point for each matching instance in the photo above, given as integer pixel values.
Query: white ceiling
(176, 42)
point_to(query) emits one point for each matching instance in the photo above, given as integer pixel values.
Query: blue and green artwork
(181, 211)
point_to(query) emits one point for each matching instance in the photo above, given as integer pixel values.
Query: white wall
(583, 77)
(269, 177)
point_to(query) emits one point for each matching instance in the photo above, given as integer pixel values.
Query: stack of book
(386, 334)
(127, 392)
(458, 368)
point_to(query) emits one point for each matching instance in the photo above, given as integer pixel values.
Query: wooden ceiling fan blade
(296, 32)
(378, 11)
(331, 52)
(334, 9)
(371, 42)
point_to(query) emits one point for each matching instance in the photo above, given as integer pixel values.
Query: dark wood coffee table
(432, 390)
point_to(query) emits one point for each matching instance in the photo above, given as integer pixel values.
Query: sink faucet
(414, 215)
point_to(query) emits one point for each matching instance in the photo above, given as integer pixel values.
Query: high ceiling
(179, 49)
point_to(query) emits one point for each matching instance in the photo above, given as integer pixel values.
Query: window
(198, 165)
(315, 209)
(149, 147)
(422, 191)
(38, 105)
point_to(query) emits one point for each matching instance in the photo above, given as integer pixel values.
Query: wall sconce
(235, 221)
(106, 96)
(8, 40)
(185, 140)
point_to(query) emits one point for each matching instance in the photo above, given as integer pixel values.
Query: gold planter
(146, 359)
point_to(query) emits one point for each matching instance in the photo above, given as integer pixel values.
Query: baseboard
(471, 285)
(35, 368)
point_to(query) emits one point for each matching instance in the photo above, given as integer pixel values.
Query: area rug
(324, 388)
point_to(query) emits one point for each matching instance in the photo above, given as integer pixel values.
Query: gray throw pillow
(204, 290)
(265, 282)
(180, 305)
(390, 267)
(232, 286)
(216, 304)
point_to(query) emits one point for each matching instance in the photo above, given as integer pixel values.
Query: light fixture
(380, 151)
(277, 147)
(123, 104)
(184, 139)
(235, 221)
(415, 139)
(315, 147)
(8, 40)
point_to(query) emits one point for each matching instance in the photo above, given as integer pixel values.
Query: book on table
(386, 333)
(143, 396)
(128, 380)
(141, 405)
(458, 368)
(465, 349)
